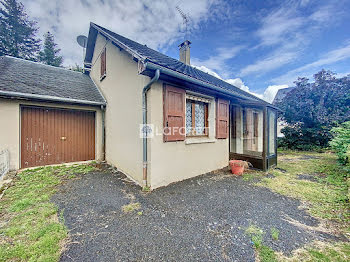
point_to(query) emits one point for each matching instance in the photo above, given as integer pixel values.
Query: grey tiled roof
(281, 93)
(22, 78)
(168, 62)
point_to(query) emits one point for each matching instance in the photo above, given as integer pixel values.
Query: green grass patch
(320, 251)
(249, 176)
(327, 193)
(30, 229)
(275, 233)
(131, 207)
(265, 253)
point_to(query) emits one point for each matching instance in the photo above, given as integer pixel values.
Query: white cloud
(271, 91)
(329, 58)
(218, 61)
(207, 70)
(290, 31)
(268, 95)
(155, 23)
(343, 74)
(269, 63)
(304, 2)
(280, 25)
(238, 83)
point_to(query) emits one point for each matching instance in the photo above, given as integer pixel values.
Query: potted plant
(238, 166)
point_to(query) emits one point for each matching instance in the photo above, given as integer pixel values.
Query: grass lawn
(323, 187)
(30, 227)
(32, 230)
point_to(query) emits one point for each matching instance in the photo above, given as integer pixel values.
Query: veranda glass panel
(246, 131)
(252, 131)
(271, 133)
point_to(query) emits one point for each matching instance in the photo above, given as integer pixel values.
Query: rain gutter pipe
(144, 122)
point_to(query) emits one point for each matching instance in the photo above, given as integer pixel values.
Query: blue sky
(259, 46)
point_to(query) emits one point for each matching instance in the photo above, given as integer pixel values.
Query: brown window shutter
(103, 63)
(174, 114)
(222, 116)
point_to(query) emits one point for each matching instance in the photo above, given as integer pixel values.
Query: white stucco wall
(10, 136)
(176, 161)
(168, 162)
(9, 130)
(122, 88)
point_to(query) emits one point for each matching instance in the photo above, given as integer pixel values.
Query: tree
(77, 68)
(49, 54)
(17, 32)
(341, 143)
(312, 109)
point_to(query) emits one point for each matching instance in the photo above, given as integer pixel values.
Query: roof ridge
(136, 52)
(144, 45)
(41, 64)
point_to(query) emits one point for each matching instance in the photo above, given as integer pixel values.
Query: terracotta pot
(237, 167)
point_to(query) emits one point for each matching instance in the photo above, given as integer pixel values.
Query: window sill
(199, 140)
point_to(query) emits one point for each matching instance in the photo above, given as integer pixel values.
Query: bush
(298, 137)
(341, 142)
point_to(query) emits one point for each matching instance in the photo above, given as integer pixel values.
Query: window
(103, 64)
(252, 131)
(196, 118)
(272, 132)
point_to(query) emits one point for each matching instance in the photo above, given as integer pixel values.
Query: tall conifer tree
(49, 54)
(17, 31)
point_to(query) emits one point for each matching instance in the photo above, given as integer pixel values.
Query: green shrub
(298, 137)
(341, 142)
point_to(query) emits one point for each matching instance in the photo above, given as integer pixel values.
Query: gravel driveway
(200, 219)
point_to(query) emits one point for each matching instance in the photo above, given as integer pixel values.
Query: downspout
(144, 122)
(103, 109)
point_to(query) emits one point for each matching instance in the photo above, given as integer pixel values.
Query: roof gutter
(50, 98)
(144, 122)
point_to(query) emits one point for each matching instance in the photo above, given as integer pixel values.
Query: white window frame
(210, 137)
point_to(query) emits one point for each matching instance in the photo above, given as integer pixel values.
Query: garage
(50, 115)
(55, 136)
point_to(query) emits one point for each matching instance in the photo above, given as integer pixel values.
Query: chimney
(185, 52)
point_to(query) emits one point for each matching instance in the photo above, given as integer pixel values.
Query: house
(157, 119)
(281, 93)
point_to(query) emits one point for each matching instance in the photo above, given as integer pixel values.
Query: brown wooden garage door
(54, 136)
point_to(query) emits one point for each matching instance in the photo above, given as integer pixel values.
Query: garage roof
(26, 79)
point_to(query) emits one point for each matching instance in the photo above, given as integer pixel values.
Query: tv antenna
(185, 18)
